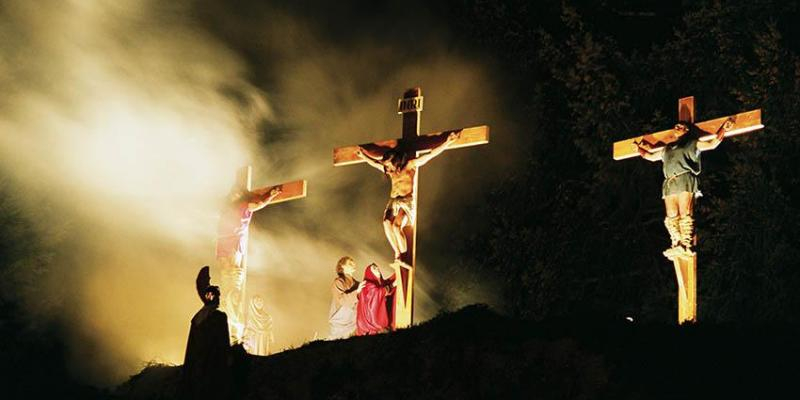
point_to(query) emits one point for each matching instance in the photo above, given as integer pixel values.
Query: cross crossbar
(289, 191)
(472, 136)
(742, 123)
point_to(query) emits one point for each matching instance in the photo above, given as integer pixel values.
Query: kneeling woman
(681, 166)
(375, 314)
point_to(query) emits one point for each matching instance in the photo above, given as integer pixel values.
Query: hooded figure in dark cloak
(375, 303)
(206, 372)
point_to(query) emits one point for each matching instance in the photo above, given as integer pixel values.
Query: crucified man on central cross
(400, 160)
(401, 170)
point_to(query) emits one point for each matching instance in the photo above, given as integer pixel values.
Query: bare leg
(389, 230)
(685, 204)
(400, 237)
(671, 204)
(400, 223)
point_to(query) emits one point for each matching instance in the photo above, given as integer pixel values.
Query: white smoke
(135, 117)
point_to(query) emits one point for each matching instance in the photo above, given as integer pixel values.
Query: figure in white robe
(258, 332)
(344, 292)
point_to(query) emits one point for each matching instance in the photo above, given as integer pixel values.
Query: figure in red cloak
(375, 303)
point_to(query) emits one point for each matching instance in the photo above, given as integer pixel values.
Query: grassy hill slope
(476, 353)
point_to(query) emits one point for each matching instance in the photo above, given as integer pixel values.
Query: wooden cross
(414, 145)
(233, 268)
(292, 190)
(737, 124)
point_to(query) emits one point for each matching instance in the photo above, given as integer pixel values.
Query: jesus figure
(400, 168)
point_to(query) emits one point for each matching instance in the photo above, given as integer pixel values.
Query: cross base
(686, 276)
(404, 293)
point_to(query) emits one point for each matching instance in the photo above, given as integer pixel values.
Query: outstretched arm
(371, 161)
(713, 143)
(646, 151)
(451, 138)
(263, 200)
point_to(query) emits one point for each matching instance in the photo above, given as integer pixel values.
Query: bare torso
(402, 181)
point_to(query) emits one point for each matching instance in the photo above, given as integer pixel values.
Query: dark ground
(475, 353)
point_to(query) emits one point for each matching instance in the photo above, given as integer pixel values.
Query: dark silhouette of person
(206, 368)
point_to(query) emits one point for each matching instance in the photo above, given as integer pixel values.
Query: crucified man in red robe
(401, 167)
(233, 232)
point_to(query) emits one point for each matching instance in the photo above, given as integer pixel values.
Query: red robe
(233, 229)
(375, 305)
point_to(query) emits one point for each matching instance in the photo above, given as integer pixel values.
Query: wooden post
(410, 107)
(686, 267)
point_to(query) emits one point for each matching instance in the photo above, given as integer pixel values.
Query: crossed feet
(678, 251)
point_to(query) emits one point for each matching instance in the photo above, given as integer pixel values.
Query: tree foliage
(576, 232)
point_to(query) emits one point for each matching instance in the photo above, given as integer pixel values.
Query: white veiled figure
(258, 331)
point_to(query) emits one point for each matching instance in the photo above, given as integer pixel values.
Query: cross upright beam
(410, 107)
(414, 146)
(686, 109)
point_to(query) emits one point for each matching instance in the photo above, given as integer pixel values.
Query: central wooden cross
(412, 145)
(737, 124)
